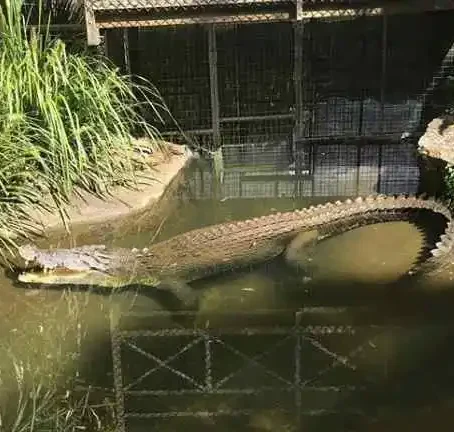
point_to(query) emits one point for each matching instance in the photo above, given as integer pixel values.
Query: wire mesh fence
(236, 84)
(325, 169)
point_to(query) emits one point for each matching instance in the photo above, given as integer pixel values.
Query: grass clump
(66, 122)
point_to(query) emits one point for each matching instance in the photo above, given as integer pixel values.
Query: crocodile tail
(446, 244)
(441, 256)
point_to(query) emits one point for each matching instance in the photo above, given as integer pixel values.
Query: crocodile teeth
(449, 237)
(444, 237)
(442, 247)
(446, 240)
(436, 252)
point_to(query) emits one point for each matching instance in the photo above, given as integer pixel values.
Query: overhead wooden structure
(102, 14)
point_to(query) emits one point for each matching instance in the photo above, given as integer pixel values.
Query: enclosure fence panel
(295, 98)
(293, 82)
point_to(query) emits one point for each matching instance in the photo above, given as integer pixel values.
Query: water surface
(267, 377)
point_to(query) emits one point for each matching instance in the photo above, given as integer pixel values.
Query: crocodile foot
(184, 293)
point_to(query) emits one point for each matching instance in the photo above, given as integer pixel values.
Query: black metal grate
(302, 367)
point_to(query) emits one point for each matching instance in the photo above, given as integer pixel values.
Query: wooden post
(298, 71)
(134, 51)
(93, 37)
(105, 43)
(214, 85)
(298, 80)
(299, 119)
(126, 56)
(384, 60)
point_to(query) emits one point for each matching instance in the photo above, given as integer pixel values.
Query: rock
(438, 140)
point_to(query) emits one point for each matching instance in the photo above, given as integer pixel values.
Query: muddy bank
(87, 209)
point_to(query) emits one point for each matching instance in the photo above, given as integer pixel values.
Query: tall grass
(66, 121)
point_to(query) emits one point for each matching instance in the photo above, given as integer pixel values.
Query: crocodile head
(83, 265)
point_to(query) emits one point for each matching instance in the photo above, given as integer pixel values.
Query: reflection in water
(351, 269)
(369, 258)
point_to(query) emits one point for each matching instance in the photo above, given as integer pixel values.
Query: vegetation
(66, 122)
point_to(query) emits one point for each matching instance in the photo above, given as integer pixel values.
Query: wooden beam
(256, 118)
(165, 15)
(214, 85)
(93, 37)
(126, 53)
(148, 21)
(298, 80)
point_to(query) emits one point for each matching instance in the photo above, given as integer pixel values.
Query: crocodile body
(207, 251)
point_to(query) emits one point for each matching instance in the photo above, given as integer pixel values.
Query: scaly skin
(207, 251)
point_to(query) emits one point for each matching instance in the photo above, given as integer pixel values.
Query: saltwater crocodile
(204, 252)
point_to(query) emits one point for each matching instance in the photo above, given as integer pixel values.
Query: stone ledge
(438, 140)
(90, 209)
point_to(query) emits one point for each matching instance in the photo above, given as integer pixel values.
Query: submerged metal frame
(300, 333)
(301, 329)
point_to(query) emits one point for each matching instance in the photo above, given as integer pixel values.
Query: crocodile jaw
(64, 276)
(69, 277)
(84, 265)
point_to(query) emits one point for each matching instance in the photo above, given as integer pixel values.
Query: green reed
(66, 122)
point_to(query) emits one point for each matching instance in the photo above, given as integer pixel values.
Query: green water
(250, 371)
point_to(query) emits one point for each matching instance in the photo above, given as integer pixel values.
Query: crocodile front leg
(297, 252)
(185, 294)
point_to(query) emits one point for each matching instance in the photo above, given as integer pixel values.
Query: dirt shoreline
(124, 202)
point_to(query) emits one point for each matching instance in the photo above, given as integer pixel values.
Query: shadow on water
(330, 344)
